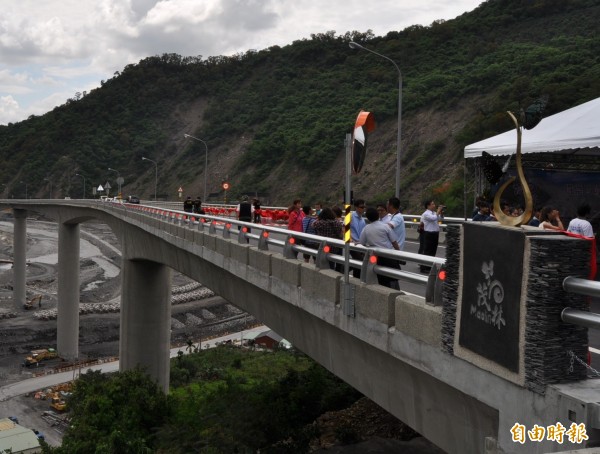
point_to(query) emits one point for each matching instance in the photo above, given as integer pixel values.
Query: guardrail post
(262, 241)
(226, 232)
(288, 248)
(367, 272)
(321, 262)
(433, 290)
(213, 227)
(201, 222)
(242, 235)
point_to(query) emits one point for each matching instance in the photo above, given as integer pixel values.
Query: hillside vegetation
(275, 120)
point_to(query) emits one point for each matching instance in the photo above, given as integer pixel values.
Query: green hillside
(275, 120)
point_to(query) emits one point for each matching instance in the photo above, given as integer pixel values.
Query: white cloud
(9, 108)
(51, 49)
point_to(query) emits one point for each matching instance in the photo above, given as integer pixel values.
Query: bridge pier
(145, 335)
(19, 258)
(67, 341)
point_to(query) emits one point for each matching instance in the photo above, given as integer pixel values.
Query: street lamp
(205, 161)
(79, 175)
(118, 180)
(354, 45)
(49, 181)
(155, 175)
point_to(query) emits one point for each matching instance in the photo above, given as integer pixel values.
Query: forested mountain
(274, 120)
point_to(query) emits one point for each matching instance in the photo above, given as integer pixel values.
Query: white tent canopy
(573, 129)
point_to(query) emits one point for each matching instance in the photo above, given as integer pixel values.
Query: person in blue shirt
(357, 223)
(396, 221)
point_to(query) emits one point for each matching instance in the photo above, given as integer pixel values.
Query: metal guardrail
(581, 287)
(295, 243)
(292, 244)
(411, 220)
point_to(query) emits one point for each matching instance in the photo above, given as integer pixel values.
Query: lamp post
(205, 161)
(118, 180)
(79, 175)
(354, 45)
(155, 175)
(49, 181)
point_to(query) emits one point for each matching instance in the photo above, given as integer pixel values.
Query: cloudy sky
(52, 49)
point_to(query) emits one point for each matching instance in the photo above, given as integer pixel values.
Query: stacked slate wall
(548, 342)
(450, 289)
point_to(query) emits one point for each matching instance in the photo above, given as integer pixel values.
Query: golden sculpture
(527, 213)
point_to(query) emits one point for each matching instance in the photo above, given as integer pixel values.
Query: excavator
(37, 299)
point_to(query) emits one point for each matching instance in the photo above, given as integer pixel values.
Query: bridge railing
(326, 252)
(274, 213)
(581, 287)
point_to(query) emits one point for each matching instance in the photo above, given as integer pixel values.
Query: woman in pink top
(295, 216)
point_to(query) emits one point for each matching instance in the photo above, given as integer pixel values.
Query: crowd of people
(382, 226)
(546, 218)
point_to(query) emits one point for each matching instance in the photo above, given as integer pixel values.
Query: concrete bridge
(394, 347)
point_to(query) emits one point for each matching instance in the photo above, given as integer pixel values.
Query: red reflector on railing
(326, 249)
(442, 275)
(228, 226)
(245, 229)
(292, 240)
(266, 234)
(373, 259)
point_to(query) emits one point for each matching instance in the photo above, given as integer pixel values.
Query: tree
(114, 413)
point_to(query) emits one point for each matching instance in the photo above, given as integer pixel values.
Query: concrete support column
(19, 258)
(68, 291)
(145, 336)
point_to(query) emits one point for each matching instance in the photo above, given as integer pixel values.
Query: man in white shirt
(431, 229)
(580, 225)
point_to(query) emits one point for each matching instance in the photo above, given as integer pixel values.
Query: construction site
(28, 337)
